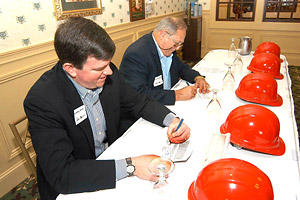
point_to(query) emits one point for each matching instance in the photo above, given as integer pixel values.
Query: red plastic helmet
(259, 88)
(233, 179)
(268, 47)
(254, 127)
(266, 63)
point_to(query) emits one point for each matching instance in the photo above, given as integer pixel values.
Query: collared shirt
(165, 66)
(98, 123)
(91, 101)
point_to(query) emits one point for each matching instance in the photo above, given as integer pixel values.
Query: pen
(187, 83)
(176, 129)
(179, 125)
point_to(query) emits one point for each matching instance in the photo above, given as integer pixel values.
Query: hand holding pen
(178, 132)
(186, 93)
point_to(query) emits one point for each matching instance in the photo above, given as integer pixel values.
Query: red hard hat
(268, 47)
(266, 63)
(259, 88)
(233, 179)
(254, 127)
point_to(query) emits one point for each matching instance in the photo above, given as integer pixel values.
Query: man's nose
(107, 70)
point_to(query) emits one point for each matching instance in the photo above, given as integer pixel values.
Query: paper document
(202, 96)
(177, 152)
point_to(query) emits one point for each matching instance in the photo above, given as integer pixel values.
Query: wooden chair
(21, 140)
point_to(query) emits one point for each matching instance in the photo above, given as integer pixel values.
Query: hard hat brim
(272, 102)
(279, 76)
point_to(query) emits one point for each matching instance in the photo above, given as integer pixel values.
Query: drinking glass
(161, 167)
(238, 63)
(232, 51)
(228, 80)
(214, 108)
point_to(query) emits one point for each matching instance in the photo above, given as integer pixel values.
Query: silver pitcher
(245, 45)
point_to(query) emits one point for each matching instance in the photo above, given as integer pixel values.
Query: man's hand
(202, 85)
(141, 164)
(179, 136)
(186, 93)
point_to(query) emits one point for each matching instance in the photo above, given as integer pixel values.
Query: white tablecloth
(146, 138)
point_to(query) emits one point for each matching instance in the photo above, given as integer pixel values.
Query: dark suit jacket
(65, 151)
(141, 64)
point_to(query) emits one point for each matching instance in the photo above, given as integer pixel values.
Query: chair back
(21, 139)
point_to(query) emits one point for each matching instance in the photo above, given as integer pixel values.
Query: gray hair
(170, 24)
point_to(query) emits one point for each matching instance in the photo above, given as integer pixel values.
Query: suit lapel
(155, 56)
(173, 72)
(154, 51)
(108, 108)
(74, 101)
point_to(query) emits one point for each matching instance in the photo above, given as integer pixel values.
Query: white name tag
(80, 114)
(158, 81)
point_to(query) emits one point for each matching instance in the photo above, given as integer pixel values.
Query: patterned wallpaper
(29, 22)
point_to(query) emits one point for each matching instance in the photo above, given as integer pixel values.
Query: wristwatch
(130, 167)
(199, 77)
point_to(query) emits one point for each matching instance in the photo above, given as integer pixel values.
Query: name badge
(80, 114)
(158, 81)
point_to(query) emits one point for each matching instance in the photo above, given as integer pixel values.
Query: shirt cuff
(121, 170)
(168, 119)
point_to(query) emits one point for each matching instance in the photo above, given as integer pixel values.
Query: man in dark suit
(151, 66)
(74, 112)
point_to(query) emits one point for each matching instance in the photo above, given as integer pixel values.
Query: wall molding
(25, 52)
(23, 161)
(143, 32)
(122, 38)
(26, 71)
(17, 151)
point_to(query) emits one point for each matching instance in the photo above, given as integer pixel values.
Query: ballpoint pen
(179, 125)
(169, 142)
(187, 83)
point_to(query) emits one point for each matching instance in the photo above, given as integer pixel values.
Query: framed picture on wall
(66, 8)
(137, 9)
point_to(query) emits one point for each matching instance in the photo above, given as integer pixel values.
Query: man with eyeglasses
(151, 66)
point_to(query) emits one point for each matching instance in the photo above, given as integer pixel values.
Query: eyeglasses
(176, 44)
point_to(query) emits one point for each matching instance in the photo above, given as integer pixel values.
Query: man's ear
(163, 33)
(161, 36)
(70, 69)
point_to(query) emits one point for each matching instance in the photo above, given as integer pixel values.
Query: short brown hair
(78, 37)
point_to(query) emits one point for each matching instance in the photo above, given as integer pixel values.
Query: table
(146, 138)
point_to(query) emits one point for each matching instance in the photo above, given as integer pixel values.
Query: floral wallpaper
(29, 22)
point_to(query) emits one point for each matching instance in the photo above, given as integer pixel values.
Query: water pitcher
(245, 45)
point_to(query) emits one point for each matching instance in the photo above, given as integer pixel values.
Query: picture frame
(66, 8)
(137, 9)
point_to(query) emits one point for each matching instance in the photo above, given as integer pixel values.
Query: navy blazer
(65, 151)
(141, 64)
